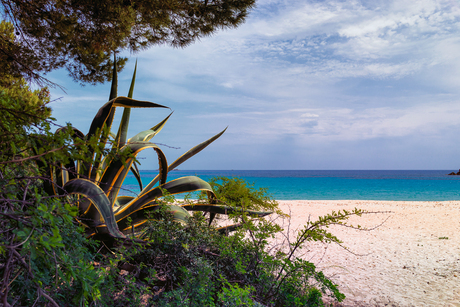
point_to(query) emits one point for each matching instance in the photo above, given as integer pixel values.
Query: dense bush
(43, 254)
(194, 265)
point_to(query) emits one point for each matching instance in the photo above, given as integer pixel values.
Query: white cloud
(396, 36)
(327, 71)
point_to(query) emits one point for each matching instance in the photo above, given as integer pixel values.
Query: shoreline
(411, 259)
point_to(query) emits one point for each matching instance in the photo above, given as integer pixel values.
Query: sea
(397, 185)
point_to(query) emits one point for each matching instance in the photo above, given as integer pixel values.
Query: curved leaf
(137, 174)
(139, 217)
(56, 177)
(190, 153)
(195, 150)
(98, 200)
(102, 121)
(221, 209)
(114, 84)
(147, 135)
(123, 128)
(121, 201)
(177, 186)
(117, 170)
(103, 113)
(226, 229)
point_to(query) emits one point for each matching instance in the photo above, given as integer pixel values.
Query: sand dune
(412, 259)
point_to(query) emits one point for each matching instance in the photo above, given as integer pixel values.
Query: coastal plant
(52, 180)
(193, 265)
(101, 210)
(45, 257)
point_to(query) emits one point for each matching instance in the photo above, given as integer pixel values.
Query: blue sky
(302, 85)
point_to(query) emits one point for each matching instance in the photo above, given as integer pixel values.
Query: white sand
(406, 262)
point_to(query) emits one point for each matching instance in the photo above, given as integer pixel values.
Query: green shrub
(44, 256)
(193, 265)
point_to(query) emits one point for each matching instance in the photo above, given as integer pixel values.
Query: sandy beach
(412, 259)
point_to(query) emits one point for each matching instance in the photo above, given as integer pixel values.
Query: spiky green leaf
(137, 175)
(222, 209)
(147, 135)
(117, 170)
(139, 217)
(123, 128)
(102, 121)
(190, 153)
(177, 186)
(103, 215)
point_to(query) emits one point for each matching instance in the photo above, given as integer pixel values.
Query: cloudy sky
(302, 85)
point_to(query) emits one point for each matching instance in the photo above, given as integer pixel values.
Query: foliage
(40, 247)
(237, 193)
(23, 111)
(97, 181)
(46, 259)
(193, 265)
(82, 35)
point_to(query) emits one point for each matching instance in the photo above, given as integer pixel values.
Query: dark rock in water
(453, 173)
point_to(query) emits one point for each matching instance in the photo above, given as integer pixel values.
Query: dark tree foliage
(81, 35)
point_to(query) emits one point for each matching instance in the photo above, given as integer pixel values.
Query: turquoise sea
(415, 185)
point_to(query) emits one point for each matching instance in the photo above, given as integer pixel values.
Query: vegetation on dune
(68, 239)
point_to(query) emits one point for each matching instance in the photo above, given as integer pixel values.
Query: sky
(307, 85)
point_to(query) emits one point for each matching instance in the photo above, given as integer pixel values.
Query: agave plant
(97, 184)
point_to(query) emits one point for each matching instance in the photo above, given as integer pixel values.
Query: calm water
(334, 185)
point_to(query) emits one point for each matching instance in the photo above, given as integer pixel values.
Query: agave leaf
(147, 135)
(63, 174)
(116, 171)
(136, 220)
(177, 186)
(137, 174)
(52, 174)
(195, 150)
(102, 120)
(98, 200)
(222, 209)
(216, 209)
(58, 176)
(106, 132)
(123, 129)
(55, 177)
(72, 166)
(114, 84)
(190, 153)
(102, 115)
(133, 80)
(122, 201)
(47, 174)
(226, 229)
(139, 217)
(69, 170)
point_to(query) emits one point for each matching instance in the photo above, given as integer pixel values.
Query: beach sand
(412, 259)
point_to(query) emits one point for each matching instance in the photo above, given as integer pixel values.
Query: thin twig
(17, 245)
(33, 157)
